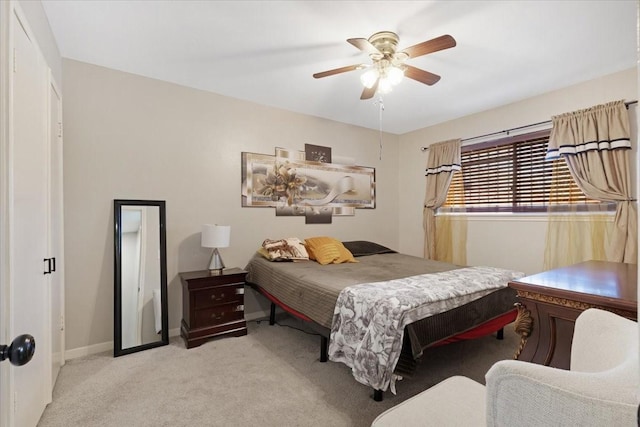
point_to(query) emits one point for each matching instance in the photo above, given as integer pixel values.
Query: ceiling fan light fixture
(384, 85)
(369, 77)
(395, 75)
(388, 66)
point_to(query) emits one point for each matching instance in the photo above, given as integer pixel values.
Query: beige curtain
(595, 144)
(443, 162)
(576, 237)
(451, 239)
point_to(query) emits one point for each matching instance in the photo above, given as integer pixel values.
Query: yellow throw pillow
(327, 250)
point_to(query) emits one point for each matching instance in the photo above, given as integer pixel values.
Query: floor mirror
(140, 281)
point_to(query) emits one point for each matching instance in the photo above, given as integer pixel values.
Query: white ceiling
(267, 51)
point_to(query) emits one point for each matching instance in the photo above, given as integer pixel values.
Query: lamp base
(217, 272)
(216, 265)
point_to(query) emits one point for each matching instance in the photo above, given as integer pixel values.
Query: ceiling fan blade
(421, 75)
(339, 70)
(364, 45)
(368, 93)
(433, 45)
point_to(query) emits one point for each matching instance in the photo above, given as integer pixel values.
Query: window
(512, 175)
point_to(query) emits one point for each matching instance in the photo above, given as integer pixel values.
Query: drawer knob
(217, 298)
(217, 317)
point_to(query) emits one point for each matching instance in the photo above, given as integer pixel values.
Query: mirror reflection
(140, 281)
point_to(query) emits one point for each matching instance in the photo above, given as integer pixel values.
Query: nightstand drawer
(218, 315)
(212, 305)
(217, 296)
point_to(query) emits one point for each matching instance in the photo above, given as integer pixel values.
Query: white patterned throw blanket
(369, 319)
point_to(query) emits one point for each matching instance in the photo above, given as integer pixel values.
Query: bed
(313, 292)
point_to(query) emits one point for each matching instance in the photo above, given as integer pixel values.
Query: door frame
(5, 295)
(54, 246)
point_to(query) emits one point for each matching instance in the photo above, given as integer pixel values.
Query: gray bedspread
(313, 289)
(370, 319)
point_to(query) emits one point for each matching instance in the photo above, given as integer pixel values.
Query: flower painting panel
(255, 172)
(318, 215)
(298, 187)
(317, 153)
(283, 209)
(327, 184)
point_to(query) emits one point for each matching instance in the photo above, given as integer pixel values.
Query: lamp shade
(215, 236)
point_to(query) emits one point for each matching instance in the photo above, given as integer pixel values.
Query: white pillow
(290, 248)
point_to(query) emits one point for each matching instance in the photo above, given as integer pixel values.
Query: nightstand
(212, 306)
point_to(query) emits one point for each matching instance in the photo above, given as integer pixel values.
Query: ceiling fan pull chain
(381, 109)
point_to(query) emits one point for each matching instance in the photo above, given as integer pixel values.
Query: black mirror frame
(117, 329)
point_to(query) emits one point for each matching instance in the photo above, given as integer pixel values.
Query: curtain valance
(599, 128)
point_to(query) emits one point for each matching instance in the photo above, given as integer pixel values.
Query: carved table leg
(523, 326)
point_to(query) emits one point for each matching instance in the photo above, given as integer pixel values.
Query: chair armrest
(602, 340)
(526, 394)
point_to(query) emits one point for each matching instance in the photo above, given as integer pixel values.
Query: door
(56, 227)
(29, 306)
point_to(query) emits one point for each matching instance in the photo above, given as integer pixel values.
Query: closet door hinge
(59, 129)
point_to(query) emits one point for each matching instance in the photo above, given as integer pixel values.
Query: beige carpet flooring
(271, 377)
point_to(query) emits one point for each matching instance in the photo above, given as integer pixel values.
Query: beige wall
(501, 241)
(128, 136)
(132, 137)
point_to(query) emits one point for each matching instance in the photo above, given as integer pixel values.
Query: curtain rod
(507, 131)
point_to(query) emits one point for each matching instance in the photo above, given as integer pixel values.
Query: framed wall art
(295, 186)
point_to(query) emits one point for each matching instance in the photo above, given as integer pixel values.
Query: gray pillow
(363, 248)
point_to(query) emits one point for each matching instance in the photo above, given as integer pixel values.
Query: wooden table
(551, 301)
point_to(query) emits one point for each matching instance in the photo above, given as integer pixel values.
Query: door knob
(20, 351)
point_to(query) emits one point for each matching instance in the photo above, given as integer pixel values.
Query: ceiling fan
(389, 65)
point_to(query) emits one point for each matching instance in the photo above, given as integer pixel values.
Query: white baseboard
(74, 353)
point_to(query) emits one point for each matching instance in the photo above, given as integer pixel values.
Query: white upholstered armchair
(600, 389)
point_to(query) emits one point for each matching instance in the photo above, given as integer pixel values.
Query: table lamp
(215, 236)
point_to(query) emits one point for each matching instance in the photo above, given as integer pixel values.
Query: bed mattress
(313, 289)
